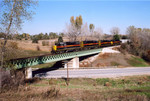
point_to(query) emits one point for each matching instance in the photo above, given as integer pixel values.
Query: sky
(52, 16)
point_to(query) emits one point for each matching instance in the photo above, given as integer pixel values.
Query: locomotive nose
(54, 47)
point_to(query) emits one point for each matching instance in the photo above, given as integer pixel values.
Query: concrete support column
(28, 73)
(65, 65)
(74, 63)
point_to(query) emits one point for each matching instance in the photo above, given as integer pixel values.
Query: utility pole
(0, 78)
(67, 75)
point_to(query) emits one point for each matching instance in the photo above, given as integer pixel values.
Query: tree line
(139, 42)
(34, 38)
(76, 30)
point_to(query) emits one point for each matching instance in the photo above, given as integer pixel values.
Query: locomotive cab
(56, 48)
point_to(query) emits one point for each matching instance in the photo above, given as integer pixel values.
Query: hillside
(111, 57)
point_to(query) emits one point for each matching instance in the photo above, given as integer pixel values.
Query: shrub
(45, 43)
(60, 39)
(38, 48)
(124, 37)
(13, 45)
(35, 40)
(52, 92)
(116, 37)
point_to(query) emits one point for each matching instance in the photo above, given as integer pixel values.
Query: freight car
(64, 47)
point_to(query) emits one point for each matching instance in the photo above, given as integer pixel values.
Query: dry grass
(28, 45)
(111, 59)
(115, 59)
(82, 89)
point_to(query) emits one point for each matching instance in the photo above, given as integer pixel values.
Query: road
(96, 73)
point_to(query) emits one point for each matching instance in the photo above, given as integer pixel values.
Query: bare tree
(139, 39)
(115, 30)
(85, 31)
(15, 12)
(73, 30)
(131, 32)
(98, 34)
(145, 38)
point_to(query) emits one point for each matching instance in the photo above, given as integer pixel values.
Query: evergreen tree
(60, 39)
(116, 37)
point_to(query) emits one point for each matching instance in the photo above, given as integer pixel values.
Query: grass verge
(136, 88)
(137, 62)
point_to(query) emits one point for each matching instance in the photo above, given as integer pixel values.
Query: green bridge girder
(27, 62)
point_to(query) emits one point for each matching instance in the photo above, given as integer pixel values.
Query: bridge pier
(74, 63)
(28, 73)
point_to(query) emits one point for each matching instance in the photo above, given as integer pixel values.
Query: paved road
(96, 73)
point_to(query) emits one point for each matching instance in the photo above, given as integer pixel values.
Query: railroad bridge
(31, 61)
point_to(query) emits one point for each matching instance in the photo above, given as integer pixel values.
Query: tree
(60, 39)
(116, 37)
(61, 34)
(2, 35)
(73, 30)
(72, 20)
(15, 12)
(98, 34)
(35, 40)
(53, 35)
(139, 41)
(115, 30)
(91, 27)
(46, 36)
(85, 31)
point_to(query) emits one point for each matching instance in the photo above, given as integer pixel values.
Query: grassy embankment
(136, 88)
(137, 62)
(133, 61)
(119, 60)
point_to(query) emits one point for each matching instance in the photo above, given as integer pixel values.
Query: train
(64, 47)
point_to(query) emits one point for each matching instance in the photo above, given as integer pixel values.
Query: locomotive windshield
(60, 44)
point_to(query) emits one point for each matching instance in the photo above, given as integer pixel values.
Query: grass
(19, 53)
(137, 62)
(136, 88)
(36, 53)
(114, 63)
(140, 91)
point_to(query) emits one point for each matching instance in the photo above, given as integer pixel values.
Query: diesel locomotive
(64, 47)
